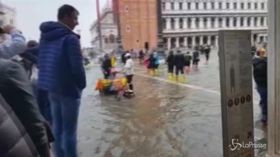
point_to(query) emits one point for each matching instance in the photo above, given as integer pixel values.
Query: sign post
(236, 93)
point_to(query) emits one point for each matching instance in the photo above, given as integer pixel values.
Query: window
(235, 5)
(205, 5)
(181, 23)
(220, 5)
(180, 6)
(220, 22)
(227, 22)
(242, 21)
(196, 23)
(196, 5)
(126, 9)
(189, 22)
(106, 40)
(249, 5)
(212, 22)
(164, 23)
(255, 21)
(205, 22)
(262, 21)
(112, 38)
(213, 5)
(242, 5)
(234, 22)
(189, 5)
(249, 22)
(163, 6)
(172, 23)
(256, 5)
(263, 5)
(228, 5)
(172, 5)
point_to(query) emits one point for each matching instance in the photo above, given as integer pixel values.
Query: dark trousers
(170, 68)
(179, 70)
(129, 81)
(263, 102)
(44, 104)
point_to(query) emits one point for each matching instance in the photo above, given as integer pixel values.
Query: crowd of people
(42, 107)
(41, 84)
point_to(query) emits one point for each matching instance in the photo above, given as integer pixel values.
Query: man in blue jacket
(62, 75)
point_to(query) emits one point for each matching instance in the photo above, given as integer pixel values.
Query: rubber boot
(170, 76)
(182, 79)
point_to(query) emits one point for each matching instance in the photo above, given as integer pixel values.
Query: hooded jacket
(60, 61)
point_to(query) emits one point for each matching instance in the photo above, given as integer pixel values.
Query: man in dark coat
(170, 65)
(179, 61)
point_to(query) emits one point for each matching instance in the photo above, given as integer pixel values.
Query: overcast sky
(31, 13)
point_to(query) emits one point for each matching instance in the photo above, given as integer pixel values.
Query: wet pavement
(165, 119)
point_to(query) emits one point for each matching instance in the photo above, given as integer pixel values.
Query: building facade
(187, 23)
(109, 31)
(7, 15)
(138, 23)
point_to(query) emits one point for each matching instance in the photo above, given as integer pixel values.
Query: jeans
(65, 113)
(263, 102)
(44, 104)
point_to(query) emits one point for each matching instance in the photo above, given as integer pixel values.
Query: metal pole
(117, 20)
(99, 25)
(160, 29)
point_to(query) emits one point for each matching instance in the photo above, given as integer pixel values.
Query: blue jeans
(65, 113)
(263, 102)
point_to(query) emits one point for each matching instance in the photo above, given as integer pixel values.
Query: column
(245, 21)
(238, 21)
(231, 22)
(185, 5)
(252, 40)
(168, 43)
(273, 75)
(168, 5)
(177, 42)
(224, 22)
(193, 41)
(186, 41)
(259, 22)
(216, 22)
(230, 5)
(193, 23)
(209, 40)
(176, 5)
(201, 40)
(216, 40)
(200, 23)
(185, 21)
(176, 23)
(168, 23)
(209, 22)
